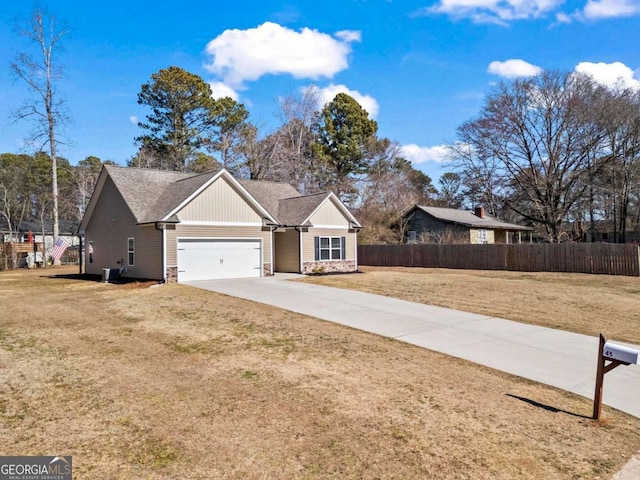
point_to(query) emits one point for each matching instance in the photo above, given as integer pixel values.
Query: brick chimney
(479, 212)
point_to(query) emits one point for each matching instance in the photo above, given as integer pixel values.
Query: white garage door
(205, 259)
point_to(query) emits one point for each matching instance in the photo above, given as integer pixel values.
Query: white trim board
(205, 223)
(331, 227)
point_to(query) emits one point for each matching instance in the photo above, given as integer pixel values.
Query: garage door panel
(203, 259)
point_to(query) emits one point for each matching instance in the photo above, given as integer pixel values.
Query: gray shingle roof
(153, 194)
(469, 219)
(294, 211)
(142, 188)
(269, 194)
(174, 194)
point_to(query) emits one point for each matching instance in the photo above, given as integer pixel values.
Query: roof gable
(300, 210)
(221, 201)
(243, 192)
(158, 196)
(175, 194)
(297, 210)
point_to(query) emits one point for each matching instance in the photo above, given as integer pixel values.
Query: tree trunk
(51, 121)
(44, 241)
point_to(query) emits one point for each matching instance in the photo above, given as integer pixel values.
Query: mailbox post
(616, 355)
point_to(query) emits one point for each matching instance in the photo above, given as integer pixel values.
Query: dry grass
(174, 382)
(580, 303)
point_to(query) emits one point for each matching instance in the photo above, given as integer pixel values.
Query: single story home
(449, 225)
(180, 227)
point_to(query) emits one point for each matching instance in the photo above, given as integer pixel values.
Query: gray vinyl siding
(111, 224)
(287, 246)
(206, 231)
(308, 246)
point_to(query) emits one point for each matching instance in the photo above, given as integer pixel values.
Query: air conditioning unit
(110, 274)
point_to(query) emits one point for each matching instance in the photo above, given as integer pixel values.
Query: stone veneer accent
(266, 270)
(343, 266)
(172, 274)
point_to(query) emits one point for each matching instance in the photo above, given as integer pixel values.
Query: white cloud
(417, 154)
(494, 11)
(349, 35)
(133, 119)
(598, 9)
(327, 94)
(601, 10)
(610, 74)
(244, 55)
(220, 90)
(513, 68)
(563, 18)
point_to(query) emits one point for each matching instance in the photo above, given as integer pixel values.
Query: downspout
(164, 254)
(297, 229)
(163, 228)
(80, 255)
(356, 248)
(273, 246)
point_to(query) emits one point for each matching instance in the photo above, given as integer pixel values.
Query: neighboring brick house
(182, 227)
(448, 225)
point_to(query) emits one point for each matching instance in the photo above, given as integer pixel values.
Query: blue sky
(421, 67)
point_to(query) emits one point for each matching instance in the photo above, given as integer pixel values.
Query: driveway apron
(553, 357)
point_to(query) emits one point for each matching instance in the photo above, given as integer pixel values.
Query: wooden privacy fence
(602, 258)
(18, 247)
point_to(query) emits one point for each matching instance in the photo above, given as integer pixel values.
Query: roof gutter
(158, 223)
(162, 227)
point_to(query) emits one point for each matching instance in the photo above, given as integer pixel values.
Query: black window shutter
(316, 241)
(344, 249)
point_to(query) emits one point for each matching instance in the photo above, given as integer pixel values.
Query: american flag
(59, 248)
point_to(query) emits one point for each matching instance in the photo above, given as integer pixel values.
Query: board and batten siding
(219, 202)
(109, 229)
(209, 231)
(329, 214)
(308, 245)
(287, 246)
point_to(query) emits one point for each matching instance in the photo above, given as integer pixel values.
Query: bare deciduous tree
(447, 236)
(386, 192)
(85, 176)
(41, 74)
(538, 135)
(14, 198)
(622, 128)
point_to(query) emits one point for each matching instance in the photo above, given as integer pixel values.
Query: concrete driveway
(554, 357)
